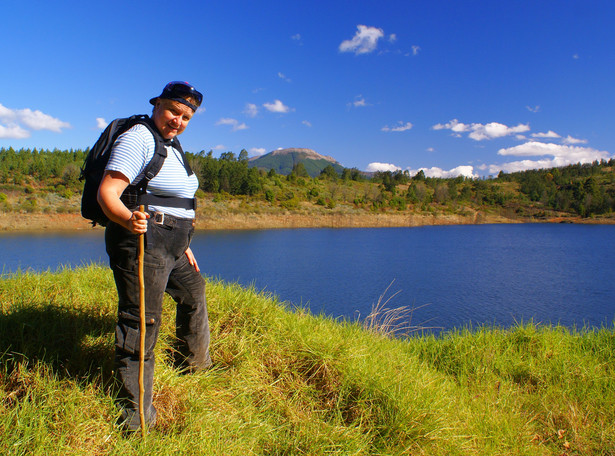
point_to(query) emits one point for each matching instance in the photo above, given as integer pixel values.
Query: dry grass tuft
(392, 322)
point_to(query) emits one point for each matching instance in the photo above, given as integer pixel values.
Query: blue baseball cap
(177, 90)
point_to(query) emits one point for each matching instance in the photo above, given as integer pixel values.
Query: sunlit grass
(288, 382)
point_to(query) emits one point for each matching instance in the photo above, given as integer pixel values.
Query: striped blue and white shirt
(134, 149)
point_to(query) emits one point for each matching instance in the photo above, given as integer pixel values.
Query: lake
(452, 275)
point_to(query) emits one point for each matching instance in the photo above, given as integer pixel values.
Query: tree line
(581, 189)
(585, 189)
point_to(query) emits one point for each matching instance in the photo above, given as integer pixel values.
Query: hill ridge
(309, 153)
(284, 160)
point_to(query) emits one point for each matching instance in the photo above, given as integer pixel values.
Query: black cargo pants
(166, 268)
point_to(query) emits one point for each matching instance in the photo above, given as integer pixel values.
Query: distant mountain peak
(303, 152)
(283, 161)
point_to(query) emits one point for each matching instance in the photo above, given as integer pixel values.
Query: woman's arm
(111, 188)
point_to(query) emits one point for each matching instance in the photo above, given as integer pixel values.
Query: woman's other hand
(192, 259)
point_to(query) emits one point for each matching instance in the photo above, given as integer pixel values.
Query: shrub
(66, 193)
(29, 205)
(292, 203)
(398, 202)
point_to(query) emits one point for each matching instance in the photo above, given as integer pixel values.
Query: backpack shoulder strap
(137, 193)
(176, 144)
(160, 154)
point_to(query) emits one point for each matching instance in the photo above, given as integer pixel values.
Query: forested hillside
(48, 181)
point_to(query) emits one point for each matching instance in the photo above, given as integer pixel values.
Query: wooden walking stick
(141, 329)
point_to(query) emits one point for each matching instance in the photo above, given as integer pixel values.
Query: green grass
(291, 383)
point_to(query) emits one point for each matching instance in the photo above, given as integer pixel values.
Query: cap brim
(178, 99)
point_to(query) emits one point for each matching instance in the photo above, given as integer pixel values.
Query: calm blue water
(453, 275)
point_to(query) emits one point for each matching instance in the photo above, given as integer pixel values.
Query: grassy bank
(290, 383)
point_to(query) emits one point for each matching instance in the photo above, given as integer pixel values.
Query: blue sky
(450, 87)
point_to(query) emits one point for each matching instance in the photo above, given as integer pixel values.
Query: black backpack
(94, 167)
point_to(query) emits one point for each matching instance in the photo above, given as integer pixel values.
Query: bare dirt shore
(12, 222)
(336, 220)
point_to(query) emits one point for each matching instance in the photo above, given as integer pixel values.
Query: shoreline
(11, 222)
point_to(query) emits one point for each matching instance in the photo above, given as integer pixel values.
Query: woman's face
(171, 117)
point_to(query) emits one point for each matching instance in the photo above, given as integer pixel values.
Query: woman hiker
(169, 264)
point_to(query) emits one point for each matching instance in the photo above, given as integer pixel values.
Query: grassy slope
(292, 383)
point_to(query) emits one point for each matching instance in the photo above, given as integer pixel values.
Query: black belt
(169, 201)
(132, 199)
(160, 218)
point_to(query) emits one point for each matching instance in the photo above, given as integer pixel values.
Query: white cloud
(534, 109)
(6, 114)
(400, 127)
(277, 106)
(234, 123)
(13, 131)
(376, 166)
(15, 120)
(549, 134)
(454, 125)
(307, 123)
(535, 148)
(101, 123)
(37, 120)
(364, 41)
(570, 140)
(257, 151)
(359, 102)
(283, 77)
(392, 38)
(415, 50)
(465, 170)
(251, 110)
(296, 37)
(552, 135)
(220, 147)
(479, 132)
(556, 155)
(495, 130)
